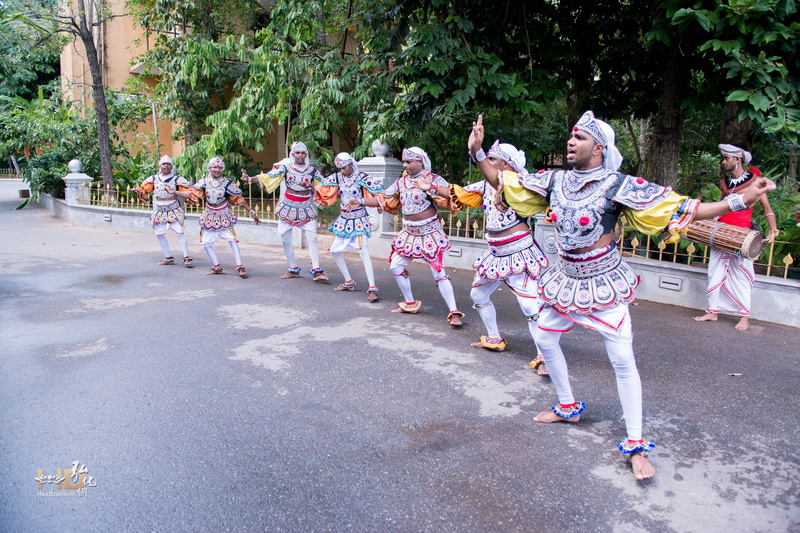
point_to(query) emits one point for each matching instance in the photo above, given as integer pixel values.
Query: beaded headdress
(415, 153)
(216, 161)
(509, 153)
(603, 134)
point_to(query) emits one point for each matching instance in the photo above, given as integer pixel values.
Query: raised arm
(474, 144)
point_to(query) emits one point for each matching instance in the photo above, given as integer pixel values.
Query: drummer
(730, 276)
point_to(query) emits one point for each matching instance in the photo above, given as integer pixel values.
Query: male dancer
(352, 228)
(296, 209)
(590, 284)
(218, 221)
(513, 256)
(168, 214)
(422, 236)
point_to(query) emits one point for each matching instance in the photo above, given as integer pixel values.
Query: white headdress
(165, 159)
(603, 134)
(415, 153)
(298, 147)
(216, 161)
(343, 159)
(509, 153)
(735, 151)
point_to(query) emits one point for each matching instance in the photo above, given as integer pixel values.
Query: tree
(292, 75)
(79, 22)
(170, 27)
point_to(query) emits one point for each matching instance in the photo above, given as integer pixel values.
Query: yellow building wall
(118, 41)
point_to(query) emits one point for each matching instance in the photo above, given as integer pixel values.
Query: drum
(745, 242)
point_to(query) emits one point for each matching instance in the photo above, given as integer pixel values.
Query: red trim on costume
(294, 198)
(747, 273)
(509, 240)
(737, 302)
(745, 184)
(615, 328)
(557, 330)
(592, 258)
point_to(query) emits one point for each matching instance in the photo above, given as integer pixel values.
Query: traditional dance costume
(731, 276)
(351, 229)
(594, 288)
(297, 208)
(514, 259)
(168, 214)
(419, 239)
(219, 223)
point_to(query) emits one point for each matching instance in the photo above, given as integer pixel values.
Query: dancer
(168, 214)
(513, 256)
(730, 276)
(296, 209)
(590, 284)
(422, 236)
(352, 228)
(218, 221)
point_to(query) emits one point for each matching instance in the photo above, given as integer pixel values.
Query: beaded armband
(736, 202)
(480, 155)
(568, 410)
(629, 447)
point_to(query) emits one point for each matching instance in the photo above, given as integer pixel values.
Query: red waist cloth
(738, 218)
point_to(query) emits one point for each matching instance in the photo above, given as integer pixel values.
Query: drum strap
(713, 235)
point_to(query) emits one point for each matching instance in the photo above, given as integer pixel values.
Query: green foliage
(755, 41)
(132, 170)
(190, 86)
(46, 133)
(785, 202)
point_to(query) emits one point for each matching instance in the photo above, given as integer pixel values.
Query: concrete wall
(774, 300)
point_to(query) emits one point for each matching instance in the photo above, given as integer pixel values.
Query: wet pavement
(213, 403)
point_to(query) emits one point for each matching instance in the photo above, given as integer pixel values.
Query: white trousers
(340, 244)
(310, 229)
(730, 283)
(619, 347)
(523, 286)
(398, 267)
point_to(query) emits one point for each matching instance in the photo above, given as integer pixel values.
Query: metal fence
(98, 194)
(9, 173)
(468, 224)
(634, 243)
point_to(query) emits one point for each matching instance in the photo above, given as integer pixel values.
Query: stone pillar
(545, 235)
(387, 169)
(76, 183)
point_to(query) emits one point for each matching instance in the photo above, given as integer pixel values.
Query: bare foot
(548, 417)
(542, 370)
(642, 469)
(743, 324)
(708, 317)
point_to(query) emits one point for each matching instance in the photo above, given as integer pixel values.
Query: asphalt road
(212, 403)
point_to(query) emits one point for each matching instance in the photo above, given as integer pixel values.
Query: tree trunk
(664, 153)
(100, 107)
(733, 130)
